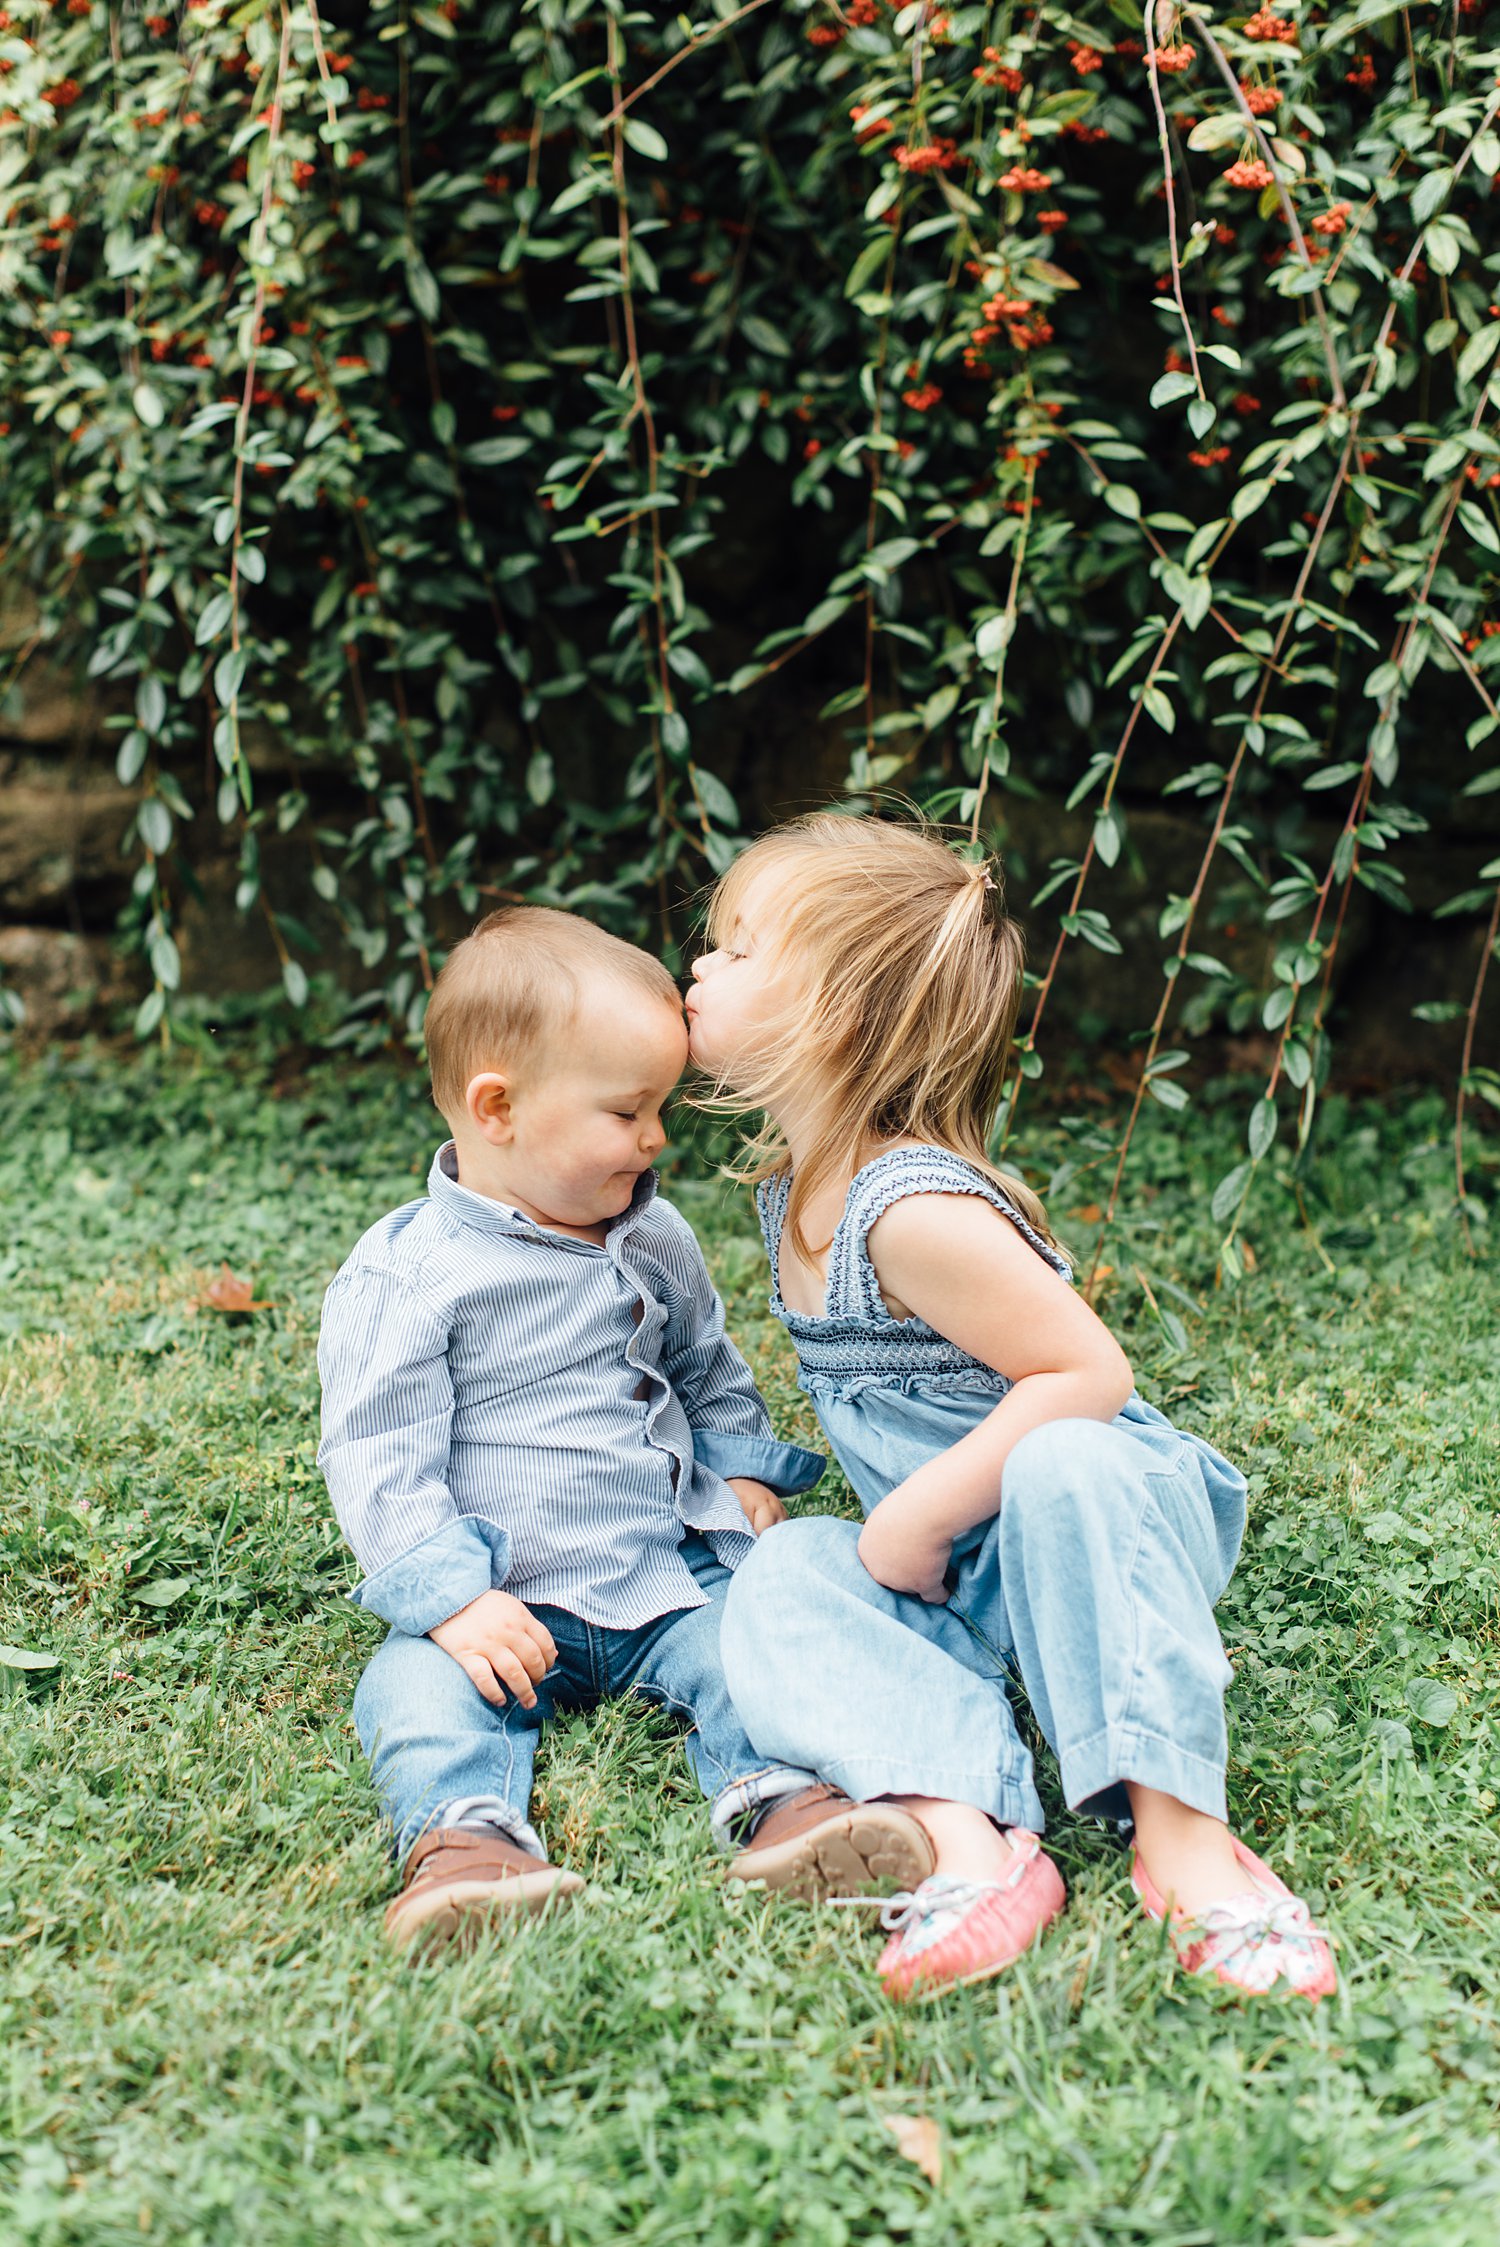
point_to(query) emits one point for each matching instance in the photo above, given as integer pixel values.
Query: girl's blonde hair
(906, 971)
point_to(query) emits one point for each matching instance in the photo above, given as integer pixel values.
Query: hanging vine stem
(1270, 668)
(700, 39)
(1009, 614)
(232, 757)
(1231, 781)
(877, 387)
(1352, 818)
(1164, 139)
(1230, 76)
(665, 706)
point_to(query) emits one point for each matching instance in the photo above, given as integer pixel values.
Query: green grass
(204, 2036)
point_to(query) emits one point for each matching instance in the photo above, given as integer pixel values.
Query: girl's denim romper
(1094, 1581)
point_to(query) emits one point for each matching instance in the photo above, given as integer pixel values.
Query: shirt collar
(499, 1218)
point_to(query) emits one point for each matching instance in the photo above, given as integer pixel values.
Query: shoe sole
(461, 1912)
(845, 1856)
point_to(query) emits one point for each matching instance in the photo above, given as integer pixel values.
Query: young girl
(1026, 1511)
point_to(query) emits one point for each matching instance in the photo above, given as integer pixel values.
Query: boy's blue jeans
(1095, 1582)
(435, 1743)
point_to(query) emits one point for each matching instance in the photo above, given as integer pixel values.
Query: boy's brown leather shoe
(818, 1843)
(458, 1879)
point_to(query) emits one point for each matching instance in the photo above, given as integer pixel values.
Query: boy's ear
(488, 1102)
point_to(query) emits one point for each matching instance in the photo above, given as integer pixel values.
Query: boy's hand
(904, 1553)
(763, 1509)
(498, 1642)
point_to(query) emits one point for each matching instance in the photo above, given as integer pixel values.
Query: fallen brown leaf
(918, 2140)
(231, 1293)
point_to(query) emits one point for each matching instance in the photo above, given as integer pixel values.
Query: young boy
(545, 1452)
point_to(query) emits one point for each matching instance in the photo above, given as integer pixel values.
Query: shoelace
(909, 1908)
(1236, 1928)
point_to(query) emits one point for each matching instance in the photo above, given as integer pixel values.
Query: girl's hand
(763, 1509)
(904, 1553)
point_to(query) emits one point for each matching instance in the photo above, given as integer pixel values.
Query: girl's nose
(700, 966)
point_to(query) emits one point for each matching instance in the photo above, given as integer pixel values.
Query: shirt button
(638, 1308)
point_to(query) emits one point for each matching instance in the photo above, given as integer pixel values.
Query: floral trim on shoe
(947, 1931)
(1249, 1943)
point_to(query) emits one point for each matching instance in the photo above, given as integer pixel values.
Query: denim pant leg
(433, 1740)
(1100, 1573)
(676, 1663)
(874, 1690)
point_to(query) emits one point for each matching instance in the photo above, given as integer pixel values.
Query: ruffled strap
(853, 1288)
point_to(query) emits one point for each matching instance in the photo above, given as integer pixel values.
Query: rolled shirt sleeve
(387, 1425)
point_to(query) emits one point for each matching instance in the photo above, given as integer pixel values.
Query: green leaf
(1222, 131)
(870, 261)
(294, 982)
(992, 639)
(645, 140)
(422, 287)
(1159, 706)
(1123, 501)
(215, 616)
(25, 1658)
(151, 703)
(1430, 1699)
(162, 1591)
(1249, 497)
(715, 797)
(1226, 1195)
(155, 824)
(148, 405)
(1478, 352)
(1263, 1120)
(1479, 525)
(1167, 387)
(1430, 191)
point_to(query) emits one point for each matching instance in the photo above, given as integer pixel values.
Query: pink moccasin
(947, 1931)
(1249, 1943)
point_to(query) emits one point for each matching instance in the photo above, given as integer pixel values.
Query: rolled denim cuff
(438, 1577)
(783, 1467)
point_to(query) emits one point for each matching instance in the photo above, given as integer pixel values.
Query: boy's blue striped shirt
(508, 1406)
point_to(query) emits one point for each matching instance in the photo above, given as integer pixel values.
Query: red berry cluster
(1210, 459)
(1025, 179)
(1086, 60)
(940, 155)
(1264, 25)
(1170, 61)
(922, 401)
(993, 72)
(1363, 73)
(1261, 100)
(1332, 221)
(1249, 172)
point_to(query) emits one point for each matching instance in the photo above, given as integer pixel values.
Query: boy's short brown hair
(515, 980)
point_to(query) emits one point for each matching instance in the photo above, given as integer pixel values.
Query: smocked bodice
(855, 1340)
